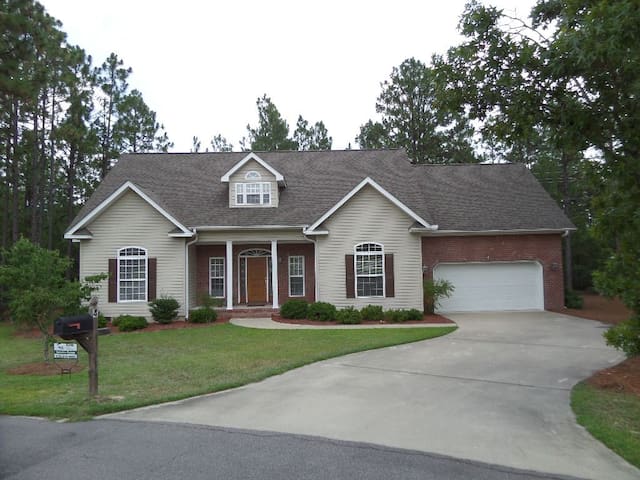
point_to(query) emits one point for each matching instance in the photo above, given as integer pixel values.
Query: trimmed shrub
(294, 309)
(203, 315)
(102, 321)
(322, 311)
(434, 291)
(414, 315)
(208, 301)
(349, 315)
(372, 313)
(164, 309)
(396, 316)
(128, 323)
(572, 299)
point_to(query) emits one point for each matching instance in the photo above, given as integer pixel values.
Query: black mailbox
(70, 327)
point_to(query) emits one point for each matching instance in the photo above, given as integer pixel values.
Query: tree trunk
(566, 202)
(15, 177)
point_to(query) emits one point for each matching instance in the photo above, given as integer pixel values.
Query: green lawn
(613, 418)
(144, 368)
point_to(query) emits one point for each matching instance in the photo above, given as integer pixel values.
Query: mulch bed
(600, 308)
(427, 319)
(624, 377)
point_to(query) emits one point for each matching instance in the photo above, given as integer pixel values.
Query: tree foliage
(36, 289)
(272, 132)
(63, 123)
(571, 78)
(414, 118)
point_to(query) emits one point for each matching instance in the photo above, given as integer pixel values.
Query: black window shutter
(113, 280)
(350, 277)
(152, 279)
(388, 275)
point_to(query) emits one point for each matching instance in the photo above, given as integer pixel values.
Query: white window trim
(224, 283)
(355, 269)
(304, 287)
(241, 190)
(146, 269)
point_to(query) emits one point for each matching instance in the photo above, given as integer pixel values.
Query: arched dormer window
(369, 269)
(132, 274)
(252, 175)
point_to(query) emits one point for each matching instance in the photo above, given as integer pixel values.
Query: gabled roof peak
(252, 156)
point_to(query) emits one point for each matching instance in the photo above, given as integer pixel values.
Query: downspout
(186, 273)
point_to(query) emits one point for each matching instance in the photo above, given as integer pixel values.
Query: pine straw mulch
(624, 377)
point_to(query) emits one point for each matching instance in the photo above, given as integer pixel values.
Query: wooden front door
(257, 280)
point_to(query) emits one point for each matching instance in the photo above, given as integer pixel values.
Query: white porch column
(274, 272)
(229, 275)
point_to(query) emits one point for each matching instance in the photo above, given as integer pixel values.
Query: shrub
(203, 315)
(373, 313)
(572, 299)
(434, 291)
(128, 323)
(414, 314)
(625, 336)
(396, 316)
(102, 321)
(164, 309)
(294, 309)
(322, 311)
(208, 301)
(349, 315)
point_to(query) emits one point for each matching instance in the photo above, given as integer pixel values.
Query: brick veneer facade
(545, 249)
(204, 252)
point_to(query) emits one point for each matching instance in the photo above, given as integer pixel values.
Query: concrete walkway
(497, 390)
(269, 324)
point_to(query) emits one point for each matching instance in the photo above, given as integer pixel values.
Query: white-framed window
(296, 276)
(133, 268)
(216, 277)
(369, 269)
(256, 193)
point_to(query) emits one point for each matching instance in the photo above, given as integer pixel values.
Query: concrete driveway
(496, 391)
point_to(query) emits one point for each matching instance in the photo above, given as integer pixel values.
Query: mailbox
(70, 327)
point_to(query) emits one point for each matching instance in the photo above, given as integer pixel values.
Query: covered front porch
(244, 274)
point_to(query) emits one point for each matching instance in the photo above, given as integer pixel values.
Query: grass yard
(144, 368)
(611, 417)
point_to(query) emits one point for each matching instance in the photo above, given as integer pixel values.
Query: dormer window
(257, 193)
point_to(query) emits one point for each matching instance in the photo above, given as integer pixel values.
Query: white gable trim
(124, 188)
(249, 157)
(372, 183)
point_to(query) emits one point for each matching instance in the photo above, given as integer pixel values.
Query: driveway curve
(497, 391)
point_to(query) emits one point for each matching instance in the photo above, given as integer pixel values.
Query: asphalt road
(100, 449)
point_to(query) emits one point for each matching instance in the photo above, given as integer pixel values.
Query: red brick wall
(306, 249)
(546, 249)
(204, 252)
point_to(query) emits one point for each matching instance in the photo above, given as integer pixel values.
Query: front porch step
(251, 312)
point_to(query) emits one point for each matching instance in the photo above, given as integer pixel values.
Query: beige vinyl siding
(252, 236)
(370, 217)
(131, 221)
(238, 177)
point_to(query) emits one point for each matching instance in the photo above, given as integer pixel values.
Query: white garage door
(492, 286)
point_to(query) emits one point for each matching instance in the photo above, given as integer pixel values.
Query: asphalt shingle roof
(454, 197)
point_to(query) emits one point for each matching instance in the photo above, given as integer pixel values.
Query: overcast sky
(201, 65)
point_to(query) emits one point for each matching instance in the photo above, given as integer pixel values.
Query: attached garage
(492, 286)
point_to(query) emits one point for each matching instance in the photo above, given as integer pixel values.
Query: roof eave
(517, 231)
